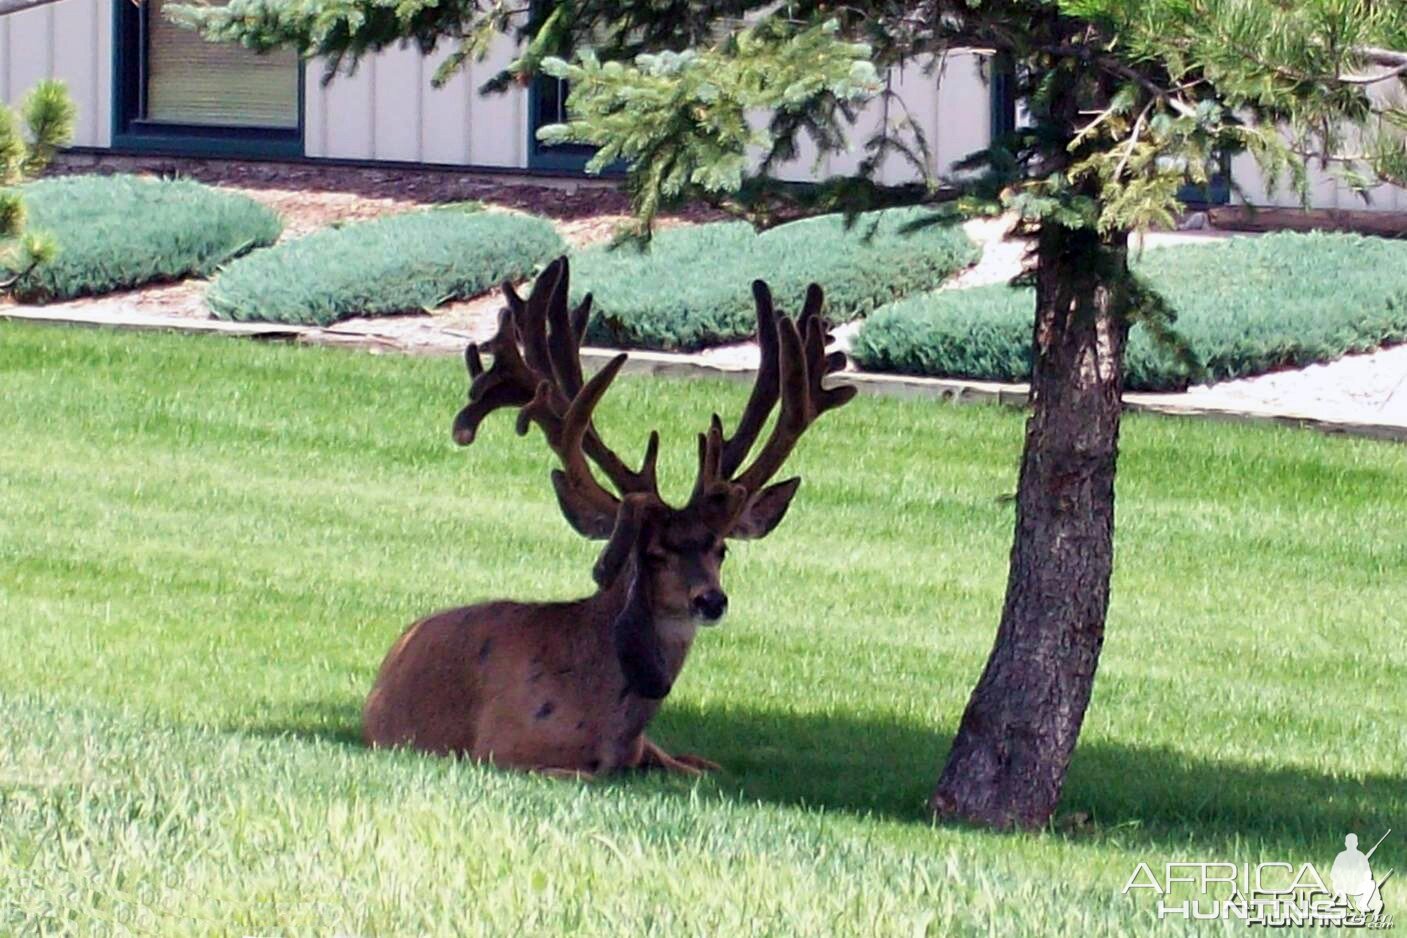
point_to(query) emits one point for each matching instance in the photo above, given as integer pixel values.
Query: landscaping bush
(396, 264)
(114, 232)
(693, 287)
(1244, 306)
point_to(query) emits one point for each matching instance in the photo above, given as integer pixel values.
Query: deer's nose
(710, 605)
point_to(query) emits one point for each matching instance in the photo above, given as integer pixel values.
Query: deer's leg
(653, 757)
(698, 762)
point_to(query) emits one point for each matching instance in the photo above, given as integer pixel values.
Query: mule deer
(569, 687)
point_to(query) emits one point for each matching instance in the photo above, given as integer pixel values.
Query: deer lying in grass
(569, 687)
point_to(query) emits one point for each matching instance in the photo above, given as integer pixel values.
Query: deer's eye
(655, 557)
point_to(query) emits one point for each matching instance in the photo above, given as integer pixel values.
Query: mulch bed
(310, 196)
(314, 196)
(1243, 218)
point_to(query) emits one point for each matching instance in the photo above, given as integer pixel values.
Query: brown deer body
(570, 687)
(527, 685)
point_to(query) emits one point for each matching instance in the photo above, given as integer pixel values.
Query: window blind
(191, 81)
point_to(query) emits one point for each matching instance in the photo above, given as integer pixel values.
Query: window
(177, 93)
(191, 81)
(547, 104)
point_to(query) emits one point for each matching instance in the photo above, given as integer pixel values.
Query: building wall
(387, 110)
(957, 90)
(1325, 191)
(71, 40)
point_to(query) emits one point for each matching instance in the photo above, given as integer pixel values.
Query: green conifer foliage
(28, 140)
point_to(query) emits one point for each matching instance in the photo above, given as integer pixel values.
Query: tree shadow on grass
(1137, 795)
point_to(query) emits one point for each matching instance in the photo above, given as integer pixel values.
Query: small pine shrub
(397, 264)
(1244, 306)
(29, 137)
(116, 232)
(693, 286)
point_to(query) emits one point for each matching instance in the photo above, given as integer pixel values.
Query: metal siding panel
(397, 104)
(917, 106)
(29, 57)
(1249, 180)
(964, 109)
(921, 86)
(444, 123)
(1324, 192)
(70, 41)
(314, 111)
(498, 124)
(1383, 198)
(347, 103)
(102, 78)
(867, 123)
(6, 57)
(952, 107)
(75, 33)
(804, 168)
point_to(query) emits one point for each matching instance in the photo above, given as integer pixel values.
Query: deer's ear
(720, 508)
(765, 510)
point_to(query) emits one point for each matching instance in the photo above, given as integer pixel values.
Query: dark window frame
(131, 131)
(561, 157)
(1002, 88)
(1216, 192)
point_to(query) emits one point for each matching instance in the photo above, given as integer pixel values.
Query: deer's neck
(673, 635)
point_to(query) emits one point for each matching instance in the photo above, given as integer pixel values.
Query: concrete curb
(990, 392)
(666, 364)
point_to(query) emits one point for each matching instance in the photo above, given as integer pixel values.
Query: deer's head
(670, 557)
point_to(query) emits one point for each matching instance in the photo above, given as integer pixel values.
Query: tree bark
(1008, 761)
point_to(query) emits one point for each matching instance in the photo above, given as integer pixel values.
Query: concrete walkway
(1359, 394)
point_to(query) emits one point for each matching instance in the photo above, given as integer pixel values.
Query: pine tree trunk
(1008, 761)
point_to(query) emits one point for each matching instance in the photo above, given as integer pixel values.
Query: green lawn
(206, 547)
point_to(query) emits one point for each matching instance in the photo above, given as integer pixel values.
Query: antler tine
(563, 344)
(557, 334)
(624, 478)
(531, 317)
(540, 410)
(649, 481)
(812, 305)
(580, 317)
(537, 367)
(803, 364)
(764, 389)
(588, 506)
(710, 460)
(508, 383)
(811, 309)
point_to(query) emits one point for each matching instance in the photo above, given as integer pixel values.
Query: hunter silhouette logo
(1275, 893)
(1352, 876)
